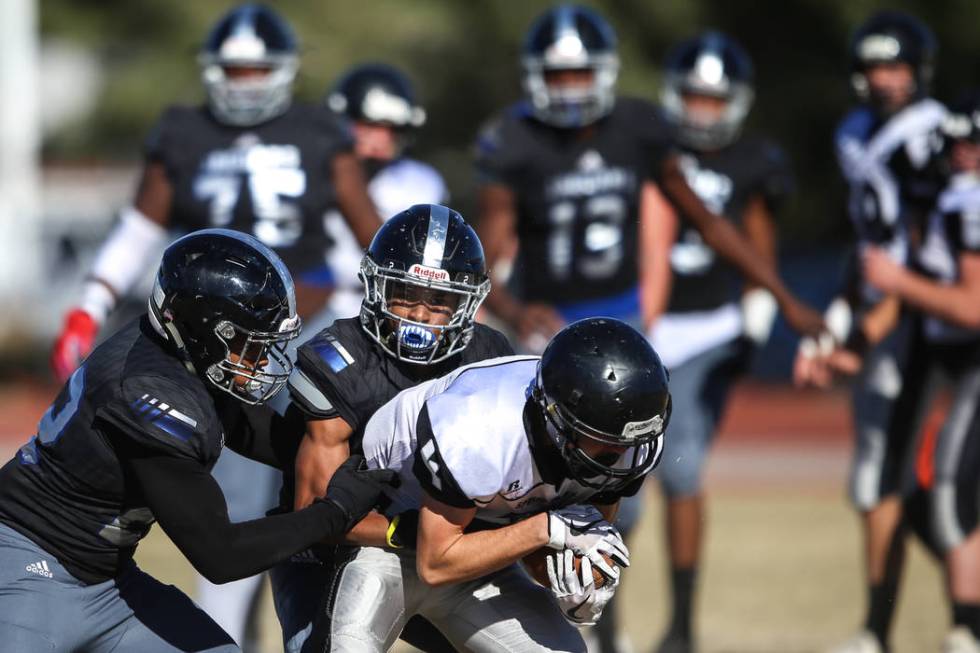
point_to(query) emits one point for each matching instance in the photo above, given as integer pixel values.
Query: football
(536, 566)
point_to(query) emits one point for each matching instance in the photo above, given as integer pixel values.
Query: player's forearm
(954, 303)
(352, 198)
(191, 509)
(471, 555)
(370, 531)
(658, 233)
(724, 238)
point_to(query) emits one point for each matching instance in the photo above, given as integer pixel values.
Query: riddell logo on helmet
(432, 274)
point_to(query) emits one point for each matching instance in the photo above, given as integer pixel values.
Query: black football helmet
(425, 254)
(378, 93)
(892, 36)
(570, 37)
(600, 380)
(249, 36)
(962, 123)
(708, 64)
(225, 303)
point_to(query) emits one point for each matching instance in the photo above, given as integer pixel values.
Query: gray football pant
(44, 608)
(379, 590)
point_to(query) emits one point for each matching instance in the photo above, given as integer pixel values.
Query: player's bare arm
(498, 216)
(958, 303)
(323, 449)
(724, 238)
(446, 554)
(760, 228)
(352, 197)
(658, 232)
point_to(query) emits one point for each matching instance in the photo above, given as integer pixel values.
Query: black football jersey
(725, 181)
(577, 197)
(271, 180)
(66, 489)
(342, 371)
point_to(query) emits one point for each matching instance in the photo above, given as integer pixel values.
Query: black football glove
(356, 490)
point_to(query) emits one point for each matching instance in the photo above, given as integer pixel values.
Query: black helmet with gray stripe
(425, 257)
(600, 381)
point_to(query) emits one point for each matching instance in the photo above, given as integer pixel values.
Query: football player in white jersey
(882, 147)
(570, 434)
(380, 102)
(943, 290)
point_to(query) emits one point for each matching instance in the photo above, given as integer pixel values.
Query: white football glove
(582, 529)
(579, 599)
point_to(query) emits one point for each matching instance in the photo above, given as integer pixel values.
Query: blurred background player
(942, 287)
(568, 173)
(380, 102)
(882, 147)
(425, 277)
(249, 159)
(704, 336)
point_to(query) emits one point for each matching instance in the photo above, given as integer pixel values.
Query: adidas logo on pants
(40, 568)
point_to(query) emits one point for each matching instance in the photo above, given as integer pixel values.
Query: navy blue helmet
(426, 254)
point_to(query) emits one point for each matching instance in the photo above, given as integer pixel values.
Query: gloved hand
(579, 599)
(403, 530)
(74, 343)
(582, 529)
(357, 490)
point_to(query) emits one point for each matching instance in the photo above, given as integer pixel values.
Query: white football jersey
(462, 438)
(871, 157)
(393, 189)
(953, 229)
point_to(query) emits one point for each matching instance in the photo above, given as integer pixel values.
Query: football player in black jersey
(703, 335)
(250, 159)
(569, 172)
(131, 439)
(253, 160)
(882, 148)
(424, 278)
(942, 285)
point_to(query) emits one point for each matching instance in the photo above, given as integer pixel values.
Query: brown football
(536, 566)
